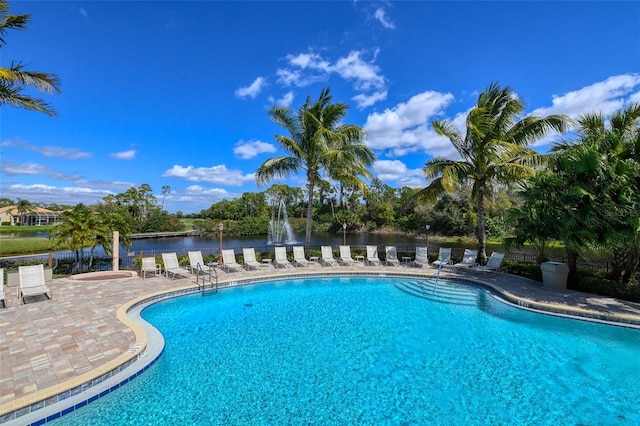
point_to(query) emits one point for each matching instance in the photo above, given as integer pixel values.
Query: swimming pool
(361, 351)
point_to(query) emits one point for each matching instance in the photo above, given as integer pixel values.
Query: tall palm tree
(15, 79)
(495, 149)
(318, 142)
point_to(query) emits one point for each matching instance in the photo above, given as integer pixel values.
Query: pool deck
(51, 346)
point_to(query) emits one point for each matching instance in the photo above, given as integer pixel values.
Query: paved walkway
(48, 346)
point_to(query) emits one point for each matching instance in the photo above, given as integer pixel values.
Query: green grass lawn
(24, 245)
(14, 246)
(6, 229)
(188, 223)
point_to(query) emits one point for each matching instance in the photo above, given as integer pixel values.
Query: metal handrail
(200, 272)
(213, 266)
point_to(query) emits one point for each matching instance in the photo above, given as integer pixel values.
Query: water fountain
(280, 231)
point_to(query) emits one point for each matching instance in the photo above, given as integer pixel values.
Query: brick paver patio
(47, 343)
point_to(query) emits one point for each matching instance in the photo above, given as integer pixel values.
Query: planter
(13, 280)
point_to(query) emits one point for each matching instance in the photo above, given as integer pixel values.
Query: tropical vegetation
(589, 196)
(81, 228)
(15, 79)
(318, 142)
(584, 195)
(495, 149)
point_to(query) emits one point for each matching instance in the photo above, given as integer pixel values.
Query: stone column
(116, 250)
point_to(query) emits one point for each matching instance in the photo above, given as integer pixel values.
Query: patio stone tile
(46, 342)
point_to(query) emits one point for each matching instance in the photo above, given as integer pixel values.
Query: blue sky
(177, 93)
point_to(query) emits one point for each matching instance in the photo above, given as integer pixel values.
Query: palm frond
(277, 167)
(44, 82)
(10, 22)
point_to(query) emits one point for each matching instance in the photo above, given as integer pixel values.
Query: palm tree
(15, 79)
(79, 228)
(319, 142)
(24, 207)
(495, 149)
(598, 176)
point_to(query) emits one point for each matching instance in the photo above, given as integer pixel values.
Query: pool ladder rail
(201, 273)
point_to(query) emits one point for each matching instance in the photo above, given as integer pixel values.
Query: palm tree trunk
(307, 237)
(482, 235)
(572, 260)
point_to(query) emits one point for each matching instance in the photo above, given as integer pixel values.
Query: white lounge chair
(281, 258)
(493, 264)
(2, 299)
(196, 263)
(422, 259)
(372, 256)
(250, 261)
(32, 282)
(468, 259)
(327, 257)
(391, 256)
(171, 266)
(299, 258)
(149, 266)
(444, 257)
(229, 261)
(345, 256)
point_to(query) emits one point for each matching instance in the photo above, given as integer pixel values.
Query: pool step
(442, 292)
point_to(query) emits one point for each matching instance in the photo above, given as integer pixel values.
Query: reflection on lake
(211, 245)
(25, 235)
(360, 240)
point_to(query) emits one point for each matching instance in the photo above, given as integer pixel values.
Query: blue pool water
(361, 351)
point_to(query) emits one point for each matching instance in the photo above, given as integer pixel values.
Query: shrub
(598, 283)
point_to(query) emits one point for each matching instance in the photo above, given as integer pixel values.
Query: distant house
(39, 216)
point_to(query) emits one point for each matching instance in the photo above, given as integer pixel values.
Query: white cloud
(288, 77)
(398, 172)
(216, 174)
(37, 187)
(404, 129)
(309, 60)
(51, 194)
(308, 68)
(115, 185)
(195, 198)
(10, 168)
(250, 149)
(364, 101)
(366, 75)
(253, 90)
(380, 15)
(604, 97)
(285, 101)
(48, 151)
(124, 155)
(200, 190)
